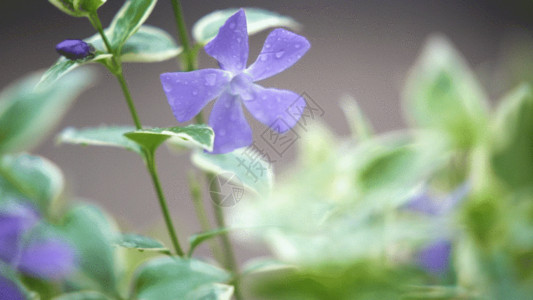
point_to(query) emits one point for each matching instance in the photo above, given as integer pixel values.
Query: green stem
(196, 195)
(182, 34)
(150, 163)
(95, 21)
(115, 67)
(129, 100)
(229, 261)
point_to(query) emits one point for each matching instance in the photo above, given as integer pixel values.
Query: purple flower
(435, 257)
(27, 249)
(9, 290)
(189, 92)
(74, 49)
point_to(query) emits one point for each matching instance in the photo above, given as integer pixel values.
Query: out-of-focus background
(361, 48)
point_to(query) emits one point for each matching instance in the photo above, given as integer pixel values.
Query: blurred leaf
(83, 295)
(128, 20)
(149, 44)
(512, 154)
(141, 243)
(175, 278)
(194, 135)
(243, 166)
(35, 178)
(365, 280)
(359, 124)
(442, 93)
(214, 291)
(264, 265)
(257, 20)
(93, 234)
(100, 136)
(28, 114)
(197, 239)
(78, 8)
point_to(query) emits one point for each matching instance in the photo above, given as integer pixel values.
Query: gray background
(363, 48)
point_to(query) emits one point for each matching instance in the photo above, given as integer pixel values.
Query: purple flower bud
(74, 49)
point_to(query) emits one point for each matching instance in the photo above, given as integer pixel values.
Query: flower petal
(9, 290)
(49, 259)
(278, 109)
(230, 46)
(189, 92)
(15, 220)
(436, 257)
(227, 119)
(281, 50)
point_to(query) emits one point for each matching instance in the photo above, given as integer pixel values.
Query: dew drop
(267, 45)
(232, 25)
(263, 58)
(297, 46)
(280, 54)
(195, 92)
(239, 40)
(227, 105)
(210, 79)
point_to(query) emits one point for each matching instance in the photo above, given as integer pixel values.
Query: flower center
(241, 85)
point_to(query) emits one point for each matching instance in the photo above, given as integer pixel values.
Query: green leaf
(149, 44)
(84, 295)
(197, 239)
(33, 177)
(194, 136)
(359, 124)
(90, 6)
(174, 278)
(27, 114)
(512, 153)
(65, 65)
(257, 20)
(112, 136)
(243, 166)
(78, 8)
(93, 234)
(442, 93)
(68, 7)
(141, 243)
(128, 20)
(214, 291)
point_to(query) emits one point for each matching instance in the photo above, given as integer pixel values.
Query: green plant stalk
(116, 69)
(196, 195)
(229, 261)
(190, 56)
(150, 163)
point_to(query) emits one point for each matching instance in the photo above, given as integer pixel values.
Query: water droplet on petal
(263, 57)
(227, 105)
(280, 54)
(278, 100)
(267, 45)
(297, 46)
(232, 25)
(210, 79)
(239, 40)
(222, 132)
(195, 92)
